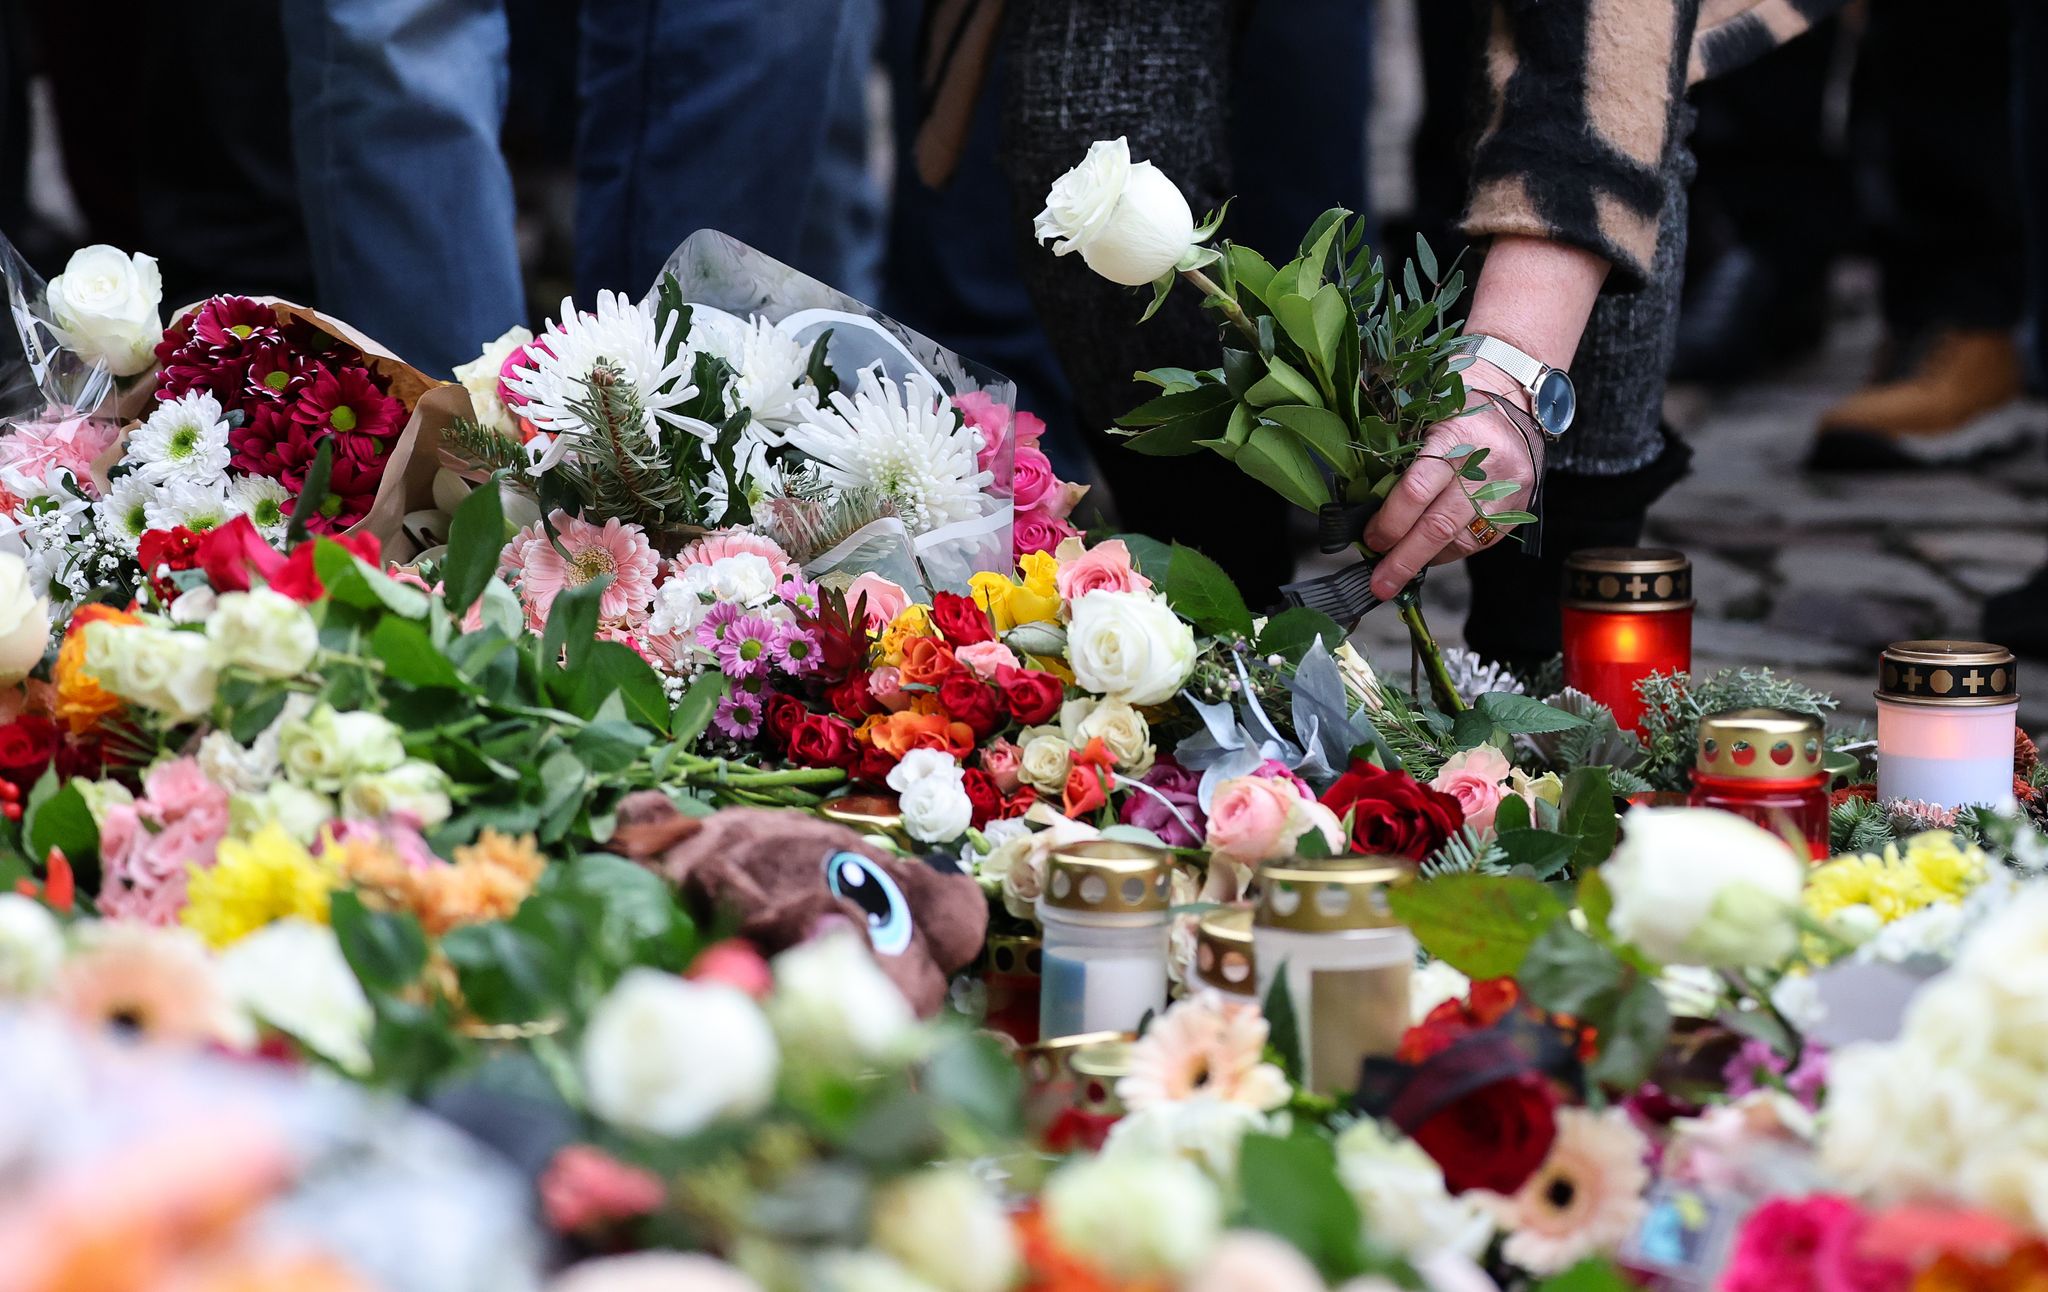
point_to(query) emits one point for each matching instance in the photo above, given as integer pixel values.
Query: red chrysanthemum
(230, 327)
(259, 443)
(345, 401)
(274, 374)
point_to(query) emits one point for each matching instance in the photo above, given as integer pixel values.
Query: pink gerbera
(587, 551)
(721, 543)
(39, 449)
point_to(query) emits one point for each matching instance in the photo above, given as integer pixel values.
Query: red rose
(1488, 1001)
(982, 795)
(780, 712)
(1495, 1137)
(872, 767)
(1018, 803)
(970, 700)
(27, 745)
(1033, 696)
(852, 700)
(1391, 814)
(233, 552)
(959, 620)
(823, 740)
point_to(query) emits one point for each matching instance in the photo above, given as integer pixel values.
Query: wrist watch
(1551, 396)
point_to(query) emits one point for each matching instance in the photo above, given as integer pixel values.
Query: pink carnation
(1808, 1244)
(1473, 777)
(721, 543)
(37, 450)
(1039, 531)
(144, 870)
(1106, 567)
(615, 548)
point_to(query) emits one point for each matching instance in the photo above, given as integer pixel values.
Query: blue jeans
(740, 115)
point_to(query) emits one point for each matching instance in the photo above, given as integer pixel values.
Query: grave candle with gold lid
(1104, 913)
(1765, 764)
(1223, 951)
(1946, 712)
(1326, 925)
(1627, 614)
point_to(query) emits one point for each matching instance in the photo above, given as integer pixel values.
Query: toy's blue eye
(868, 886)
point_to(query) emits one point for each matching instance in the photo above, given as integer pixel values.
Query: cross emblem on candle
(1973, 681)
(1912, 679)
(1636, 587)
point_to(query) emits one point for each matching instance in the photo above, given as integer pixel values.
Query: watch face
(1556, 402)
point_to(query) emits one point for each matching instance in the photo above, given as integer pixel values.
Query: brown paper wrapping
(408, 483)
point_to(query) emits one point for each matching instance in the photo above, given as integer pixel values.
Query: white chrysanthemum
(769, 367)
(185, 439)
(123, 514)
(262, 500)
(622, 335)
(196, 507)
(902, 440)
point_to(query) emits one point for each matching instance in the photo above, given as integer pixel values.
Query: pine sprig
(482, 447)
(618, 470)
(1466, 853)
(1674, 703)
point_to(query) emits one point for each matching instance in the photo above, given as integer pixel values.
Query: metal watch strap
(1524, 368)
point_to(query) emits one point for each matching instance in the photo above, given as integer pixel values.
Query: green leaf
(1494, 490)
(357, 583)
(1282, 463)
(1522, 716)
(1481, 925)
(1544, 852)
(1632, 1036)
(1319, 428)
(312, 495)
(1592, 1275)
(972, 1075)
(1586, 812)
(1177, 404)
(1184, 435)
(694, 710)
(1202, 593)
(1152, 557)
(572, 622)
(1291, 1189)
(507, 975)
(1283, 384)
(1512, 814)
(1427, 257)
(1567, 972)
(612, 746)
(57, 817)
(410, 656)
(634, 897)
(1283, 1027)
(1290, 633)
(387, 951)
(1471, 729)
(476, 537)
(1252, 271)
(611, 669)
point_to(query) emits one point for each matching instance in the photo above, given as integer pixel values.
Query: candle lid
(1110, 877)
(1759, 745)
(1097, 1067)
(1223, 950)
(1050, 1058)
(1014, 953)
(1628, 579)
(1948, 673)
(870, 811)
(1329, 895)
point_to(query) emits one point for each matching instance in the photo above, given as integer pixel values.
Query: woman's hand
(1429, 517)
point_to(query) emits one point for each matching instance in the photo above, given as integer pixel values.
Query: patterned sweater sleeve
(1583, 98)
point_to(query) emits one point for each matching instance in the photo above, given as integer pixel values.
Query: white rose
(1018, 867)
(1129, 646)
(1204, 1130)
(1128, 221)
(947, 1229)
(1248, 1260)
(324, 749)
(158, 668)
(24, 621)
(234, 768)
(1400, 1193)
(1123, 732)
(1433, 983)
(105, 305)
(1045, 760)
(669, 1056)
(834, 1003)
(654, 1272)
(922, 764)
(1705, 887)
(414, 789)
(932, 796)
(480, 378)
(291, 974)
(31, 945)
(265, 632)
(298, 811)
(1133, 1215)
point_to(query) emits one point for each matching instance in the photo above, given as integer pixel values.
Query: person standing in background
(717, 114)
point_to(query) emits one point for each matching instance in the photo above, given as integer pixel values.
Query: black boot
(1515, 619)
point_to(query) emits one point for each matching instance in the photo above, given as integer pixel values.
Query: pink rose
(1106, 567)
(1808, 1243)
(1031, 479)
(1039, 531)
(1248, 819)
(1027, 427)
(1069, 497)
(885, 600)
(586, 1189)
(980, 411)
(984, 658)
(1474, 778)
(1003, 761)
(736, 963)
(886, 685)
(521, 357)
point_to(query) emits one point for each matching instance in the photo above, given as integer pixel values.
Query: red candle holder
(1765, 764)
(1627, 614)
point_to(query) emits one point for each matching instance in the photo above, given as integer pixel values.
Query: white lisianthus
(480, 378)
(1129, 646)
(156, 667)
(1704, 887)
(298, 811)
(1123, 732)
(24, 621)
(669, 1056)
(291, 974)
(834, 1003)
(414, 789)
(262, 631)
(1128, 221)
(105, 306)
(932, 796)
(325, 749)
(1133, 1215)
(31, 946)
(1400, 1192)
(947, 1229)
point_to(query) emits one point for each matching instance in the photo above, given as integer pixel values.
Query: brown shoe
(1962, 402)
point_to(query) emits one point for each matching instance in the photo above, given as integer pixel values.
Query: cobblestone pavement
(1813, 574)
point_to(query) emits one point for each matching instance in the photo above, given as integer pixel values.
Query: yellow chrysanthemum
(256, 882)
(1932, 867)
(992, 593)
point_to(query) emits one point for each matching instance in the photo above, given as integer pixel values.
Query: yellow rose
(1041, 572)
(1055, 666)
(915, 621)
(1030, 606)
(992, 593)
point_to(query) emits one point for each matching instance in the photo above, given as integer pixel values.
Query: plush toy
(789, 876)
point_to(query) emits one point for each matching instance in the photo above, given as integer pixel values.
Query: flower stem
(1441, 688)
(1225, 302)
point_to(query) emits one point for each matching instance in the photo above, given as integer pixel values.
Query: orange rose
(81, 702)
(926, 661)
(899, 733)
